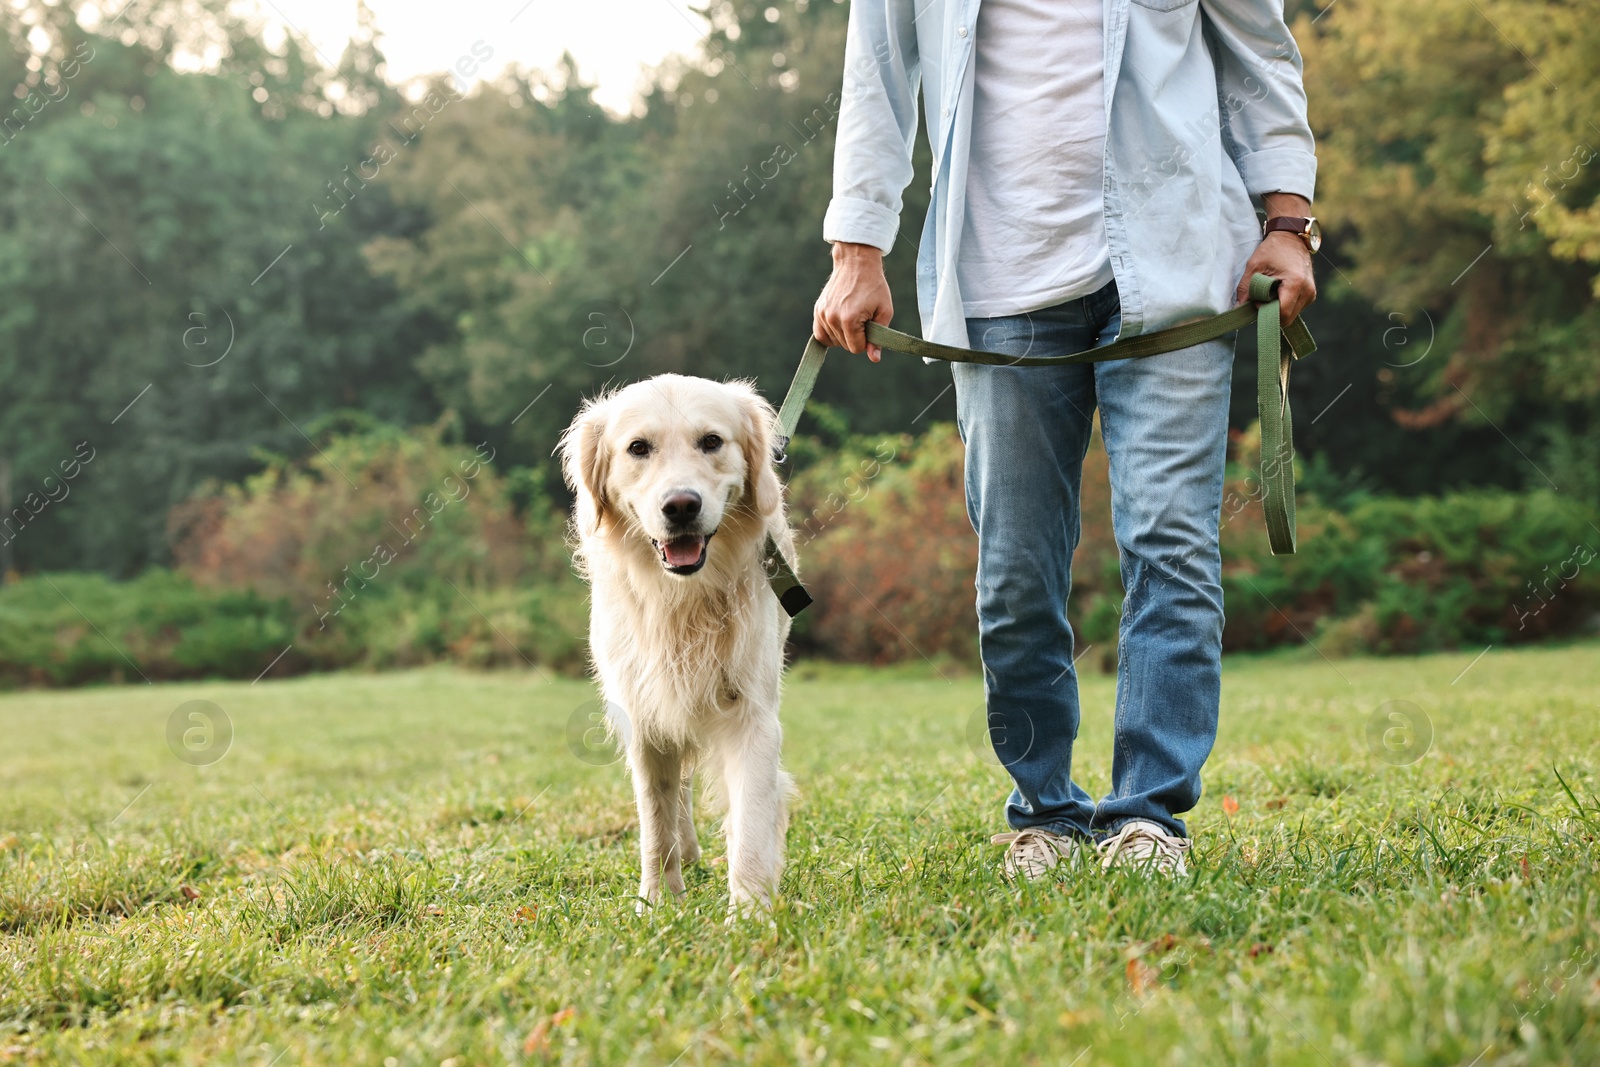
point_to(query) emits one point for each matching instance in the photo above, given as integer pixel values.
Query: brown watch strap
(1296, 225)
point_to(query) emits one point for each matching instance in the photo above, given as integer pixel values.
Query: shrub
(79, 629)
(273, 571)
(1393, 575)
(396, 549)
(74, 629)
(385, 549)
(367, 512)
(887, 550)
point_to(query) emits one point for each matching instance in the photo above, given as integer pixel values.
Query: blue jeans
(1164, 421)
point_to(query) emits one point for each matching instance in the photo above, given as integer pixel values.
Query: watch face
(1314, 234)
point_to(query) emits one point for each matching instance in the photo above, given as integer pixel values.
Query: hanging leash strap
(1277, 346)
(780, 573)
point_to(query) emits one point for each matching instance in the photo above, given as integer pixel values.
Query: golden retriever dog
(676, 496)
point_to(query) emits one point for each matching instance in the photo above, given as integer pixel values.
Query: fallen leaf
(1277, 802)
(1260, 948)
(433, 910)
(1141, 976)
(1230, 805)
(525, 914)
(189, 892)
(538, 1039)
(9, 842)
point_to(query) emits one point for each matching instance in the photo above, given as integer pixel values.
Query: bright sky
(612, 40)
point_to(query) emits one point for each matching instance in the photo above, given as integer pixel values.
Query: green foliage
(383, 549)
(889, 553)
(157, 626)
(1419, 575)
(416, 866)
(162, 625)
(886, 550)
(141, 213)
(396, 549)
(366, 512)
(687, 238)
(521, 247)
(1460, 177)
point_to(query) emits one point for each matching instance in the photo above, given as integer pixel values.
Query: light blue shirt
(1205, 111)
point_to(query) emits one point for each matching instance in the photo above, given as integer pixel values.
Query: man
(1097, 166)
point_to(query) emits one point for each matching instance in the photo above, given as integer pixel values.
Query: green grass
(415, 869)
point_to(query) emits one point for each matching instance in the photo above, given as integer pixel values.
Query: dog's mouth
(685, 554)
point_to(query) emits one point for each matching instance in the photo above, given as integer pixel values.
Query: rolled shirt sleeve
(877, 124)
(1262, 92)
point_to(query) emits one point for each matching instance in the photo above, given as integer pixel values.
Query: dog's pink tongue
(684, 551)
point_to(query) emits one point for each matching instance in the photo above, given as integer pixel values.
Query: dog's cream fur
(689, 665)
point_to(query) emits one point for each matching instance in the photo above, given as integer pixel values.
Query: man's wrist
(847, 251)
(1280, 204)
(1289, 214)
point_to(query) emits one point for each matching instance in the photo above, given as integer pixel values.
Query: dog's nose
(682, 506)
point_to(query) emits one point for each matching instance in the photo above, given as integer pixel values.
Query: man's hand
(856, 293)
(1284, 256)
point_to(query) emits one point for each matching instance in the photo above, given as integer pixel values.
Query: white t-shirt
(1035, 231)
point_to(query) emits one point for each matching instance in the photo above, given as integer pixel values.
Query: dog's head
(675, 460)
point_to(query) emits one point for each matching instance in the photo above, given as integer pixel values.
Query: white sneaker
(1034, 852)
(1146, 846)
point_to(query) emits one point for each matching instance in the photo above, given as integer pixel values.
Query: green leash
(1276, 346)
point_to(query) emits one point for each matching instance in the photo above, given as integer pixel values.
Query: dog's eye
(639, 448)
(710, 443)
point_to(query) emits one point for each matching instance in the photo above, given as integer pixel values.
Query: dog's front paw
(647, 899)
(744, 905)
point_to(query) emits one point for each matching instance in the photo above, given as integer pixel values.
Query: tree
(173, 297)
(571, 249)
(1457, 146)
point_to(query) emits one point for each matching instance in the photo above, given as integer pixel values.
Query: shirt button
(946, 112)
(961, 31)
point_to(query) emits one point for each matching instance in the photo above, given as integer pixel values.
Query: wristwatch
(1306, 229)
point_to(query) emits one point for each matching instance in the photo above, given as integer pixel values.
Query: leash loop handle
(1272, 408)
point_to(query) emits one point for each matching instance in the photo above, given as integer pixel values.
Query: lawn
(438, 867)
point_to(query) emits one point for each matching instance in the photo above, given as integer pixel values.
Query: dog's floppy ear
(585, 462)
(761, 487)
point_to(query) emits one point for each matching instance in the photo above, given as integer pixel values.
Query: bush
(75, 629)
(1394, 575)
(367, 512)
(273, 571)
(396, 549)
(886, 549)
(386, 549)
(79, 629)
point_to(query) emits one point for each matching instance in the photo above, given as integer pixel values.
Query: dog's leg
(756, 788)
(658, 791)
(688, 841)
